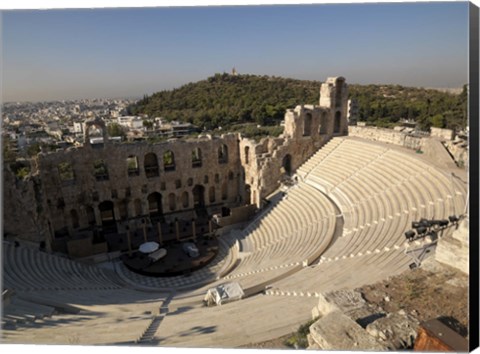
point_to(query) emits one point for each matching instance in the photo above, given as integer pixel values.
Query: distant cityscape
(61, 124)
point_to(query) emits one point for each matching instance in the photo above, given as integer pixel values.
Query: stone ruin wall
(388, 136)
(22, 213)
(222, 182)
(45, 205)
(307, 128)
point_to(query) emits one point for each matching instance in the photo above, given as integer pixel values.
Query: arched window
(100, 170)
(247, 151)
(198, 196)
(211, 194)
(155, 204)
(307, 125)
(132, 166)
(248, 192)
(323, 123)
(223, 154)
(151, 165)
(287, 164)
(230, 175)
(168, 161)
(197, 157)
(107, 216)
(172, 203)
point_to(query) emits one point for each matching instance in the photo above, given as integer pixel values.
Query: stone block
(336, 331)
(397, 330)
(342, 300)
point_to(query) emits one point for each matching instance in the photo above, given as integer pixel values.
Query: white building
(131, 122)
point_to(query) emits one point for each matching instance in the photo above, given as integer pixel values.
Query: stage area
(176, 262)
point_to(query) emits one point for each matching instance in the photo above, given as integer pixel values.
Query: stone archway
(287, 164)
(337, 123)
(198, 196)
(107, 216)
(98, 123)
(155, 205)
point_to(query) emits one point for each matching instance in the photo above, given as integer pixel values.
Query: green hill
(227, 100)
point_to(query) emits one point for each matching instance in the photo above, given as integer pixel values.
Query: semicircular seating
(380, 191)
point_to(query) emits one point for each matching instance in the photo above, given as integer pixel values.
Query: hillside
(224, 100)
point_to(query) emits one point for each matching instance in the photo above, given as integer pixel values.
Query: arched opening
(224, 190)
(168, 161)
(248, 191)
(90, 215)
(287, 164)
(132, 166)
(74, 217)
(107, 216)
(137, 205)
(211, 194)
(95, 132)
(198, 196)
(151, 165)
(223, 154)
(185, 201)
(172, 202)
(155, 204)
(307, 125)
(323, 123)
(336, 125)
(247, 152)
(196, 157)
(100, 170)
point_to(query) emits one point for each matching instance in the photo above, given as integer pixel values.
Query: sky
(128, 52)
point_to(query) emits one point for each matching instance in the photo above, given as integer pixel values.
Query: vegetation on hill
(384, 105)
(225, 100)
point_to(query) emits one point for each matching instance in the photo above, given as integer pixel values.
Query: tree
(115, 129)
(437, 121)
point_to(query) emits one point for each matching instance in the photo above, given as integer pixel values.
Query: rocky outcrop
(347, 322)
(336, 331)
(396, 330)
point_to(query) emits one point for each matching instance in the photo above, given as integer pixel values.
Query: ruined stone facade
(112, 185)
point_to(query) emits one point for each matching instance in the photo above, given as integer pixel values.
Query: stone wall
(23, 216)
(161, 176)
(389, 136)
(307, 128)
(443, 134)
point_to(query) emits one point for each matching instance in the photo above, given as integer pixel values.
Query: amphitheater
(337, 222)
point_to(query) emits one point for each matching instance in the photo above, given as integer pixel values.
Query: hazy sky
(63, 54)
